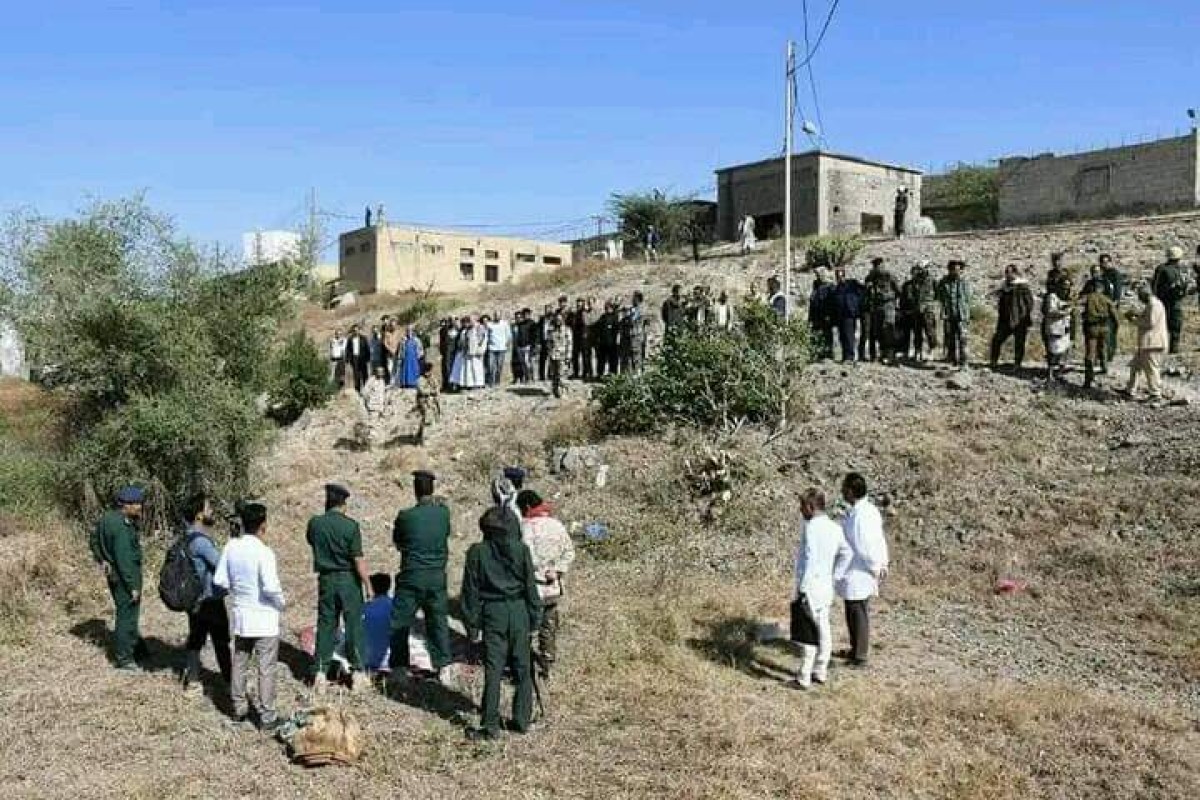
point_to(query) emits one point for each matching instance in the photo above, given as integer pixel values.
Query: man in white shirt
(821, 557)
(863, 527)
(499, 339)
(247, 571)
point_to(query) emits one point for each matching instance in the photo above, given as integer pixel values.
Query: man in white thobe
(820, 558)
(863, 527)
(248, 572)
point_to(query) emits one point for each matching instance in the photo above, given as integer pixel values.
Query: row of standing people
(396, 354)
(512, 587)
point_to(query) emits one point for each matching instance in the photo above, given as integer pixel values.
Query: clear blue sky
(535, 110)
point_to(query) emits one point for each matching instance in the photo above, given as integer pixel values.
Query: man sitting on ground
(377, 623)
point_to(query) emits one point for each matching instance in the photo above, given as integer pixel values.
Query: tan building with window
(388, 258)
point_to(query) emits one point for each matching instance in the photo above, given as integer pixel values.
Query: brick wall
(853, 189)
(1158, 176)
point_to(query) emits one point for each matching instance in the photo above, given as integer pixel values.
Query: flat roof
(823, 154)
(448, 232)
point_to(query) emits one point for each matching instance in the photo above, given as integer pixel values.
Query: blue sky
(533, 111)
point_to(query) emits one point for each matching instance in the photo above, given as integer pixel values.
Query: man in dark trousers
(500, 597)
(580, 323)
(117, 547)
(846, 304)
(858, 579)
(342, 576)
(209, 620)
(1014, 316)
(1170, 286)
(901, 210)
(820, 313)
(358, 356)
(882, 294)
(422, 535)
(674, 311)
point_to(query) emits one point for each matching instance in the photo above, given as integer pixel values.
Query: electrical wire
(812, 52)
(808, 61)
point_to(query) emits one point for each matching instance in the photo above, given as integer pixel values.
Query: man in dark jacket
(209, 620)
(846, 308)
(882, 294)
(500, 597)
(674, 311)
(607, 332)
(358, 356)
(1170, 287)
(820, 316)
(1114, 281)
(117, 547)
(580, 322)
(1014, 315)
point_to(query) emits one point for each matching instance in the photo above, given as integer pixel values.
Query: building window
(871, 223)
(467, 271)
(433, 249)
(350, 250)
(365, 247)
(491, 255)
(466, 252)
(491, 273)
(527, 258)
(553, 261)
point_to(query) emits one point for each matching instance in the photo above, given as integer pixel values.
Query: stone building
(389, 258)
(830, 194)
(1157, 176)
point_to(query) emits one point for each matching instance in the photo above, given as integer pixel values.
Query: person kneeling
(500, 597)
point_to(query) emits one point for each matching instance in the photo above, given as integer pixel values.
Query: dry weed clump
(578, 273)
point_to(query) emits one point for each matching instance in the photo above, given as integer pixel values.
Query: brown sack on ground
(332, 737)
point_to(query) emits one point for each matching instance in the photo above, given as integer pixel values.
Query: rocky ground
(1081, 683)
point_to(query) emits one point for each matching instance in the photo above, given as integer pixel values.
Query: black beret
(335, 491)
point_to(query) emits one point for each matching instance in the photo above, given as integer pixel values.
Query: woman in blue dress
(411, 353)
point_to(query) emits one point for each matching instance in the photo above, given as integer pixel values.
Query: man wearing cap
(247, 571)
(422, 535)
(117, 547)
(336, 542)
(882, 293)
(1170, 287)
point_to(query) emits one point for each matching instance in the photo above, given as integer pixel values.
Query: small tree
(832, 251)
(637, 211)
(968, 196)
(300, 380)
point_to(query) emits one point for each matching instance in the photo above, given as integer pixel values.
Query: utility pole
(599, 224)
(312, 232)
(789, 113)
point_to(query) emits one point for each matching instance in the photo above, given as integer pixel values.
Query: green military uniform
(500, 597)
(1170, 286)
(116, 544)
(1099, 312)
(422, 535)
(336, 542)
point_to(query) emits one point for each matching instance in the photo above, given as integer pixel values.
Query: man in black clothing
(581, 328)
(358, 356)
(674, 311)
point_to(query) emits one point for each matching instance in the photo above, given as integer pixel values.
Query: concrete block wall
(852, 189)
(1157, 176)
(757, 190)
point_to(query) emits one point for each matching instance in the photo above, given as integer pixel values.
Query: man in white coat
(821, 557)
(863, 527)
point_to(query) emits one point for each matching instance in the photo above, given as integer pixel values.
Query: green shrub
(710, 378)
(30, 480)
(158, 349)
(831, 251)
(301, 379)
(424, 308)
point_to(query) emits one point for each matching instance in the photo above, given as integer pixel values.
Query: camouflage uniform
(882, 293)
(560, 344)
(1170, 287)
(553, 553)
(955, 295)
(427, 401)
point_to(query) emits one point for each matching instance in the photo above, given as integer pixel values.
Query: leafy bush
(301, 379)
(710, 378)
(157, 349)
(831, 251)
(422, 309)
(637, 211)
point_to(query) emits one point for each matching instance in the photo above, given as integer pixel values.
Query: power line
(812, 51)
(812, 81)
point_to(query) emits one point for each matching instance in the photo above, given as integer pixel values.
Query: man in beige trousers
(1152, 343)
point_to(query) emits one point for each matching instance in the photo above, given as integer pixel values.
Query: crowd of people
(512, 589)
(881, 318)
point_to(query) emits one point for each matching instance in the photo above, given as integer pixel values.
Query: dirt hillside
(1084, 684)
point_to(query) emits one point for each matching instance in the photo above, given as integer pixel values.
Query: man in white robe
(863, 527)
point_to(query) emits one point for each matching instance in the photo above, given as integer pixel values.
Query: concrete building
(1157, 176)
(388, 258)
(830, 194)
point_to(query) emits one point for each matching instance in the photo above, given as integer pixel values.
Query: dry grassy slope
(1085, 686)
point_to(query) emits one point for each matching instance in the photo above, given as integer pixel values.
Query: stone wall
(1153, 177)
(852, 190)
(757, 189)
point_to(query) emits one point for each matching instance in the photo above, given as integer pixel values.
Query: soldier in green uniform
(500, 597)
(1170, 286)
(422, 535)
(117, 547)
(882, 293)
(342, 576)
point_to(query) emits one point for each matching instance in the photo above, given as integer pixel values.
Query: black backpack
(179, 586)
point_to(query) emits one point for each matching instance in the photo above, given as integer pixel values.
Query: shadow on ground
(730, 642)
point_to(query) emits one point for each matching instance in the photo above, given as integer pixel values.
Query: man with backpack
(117, 547)
(208, 620)
(1170, 287)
